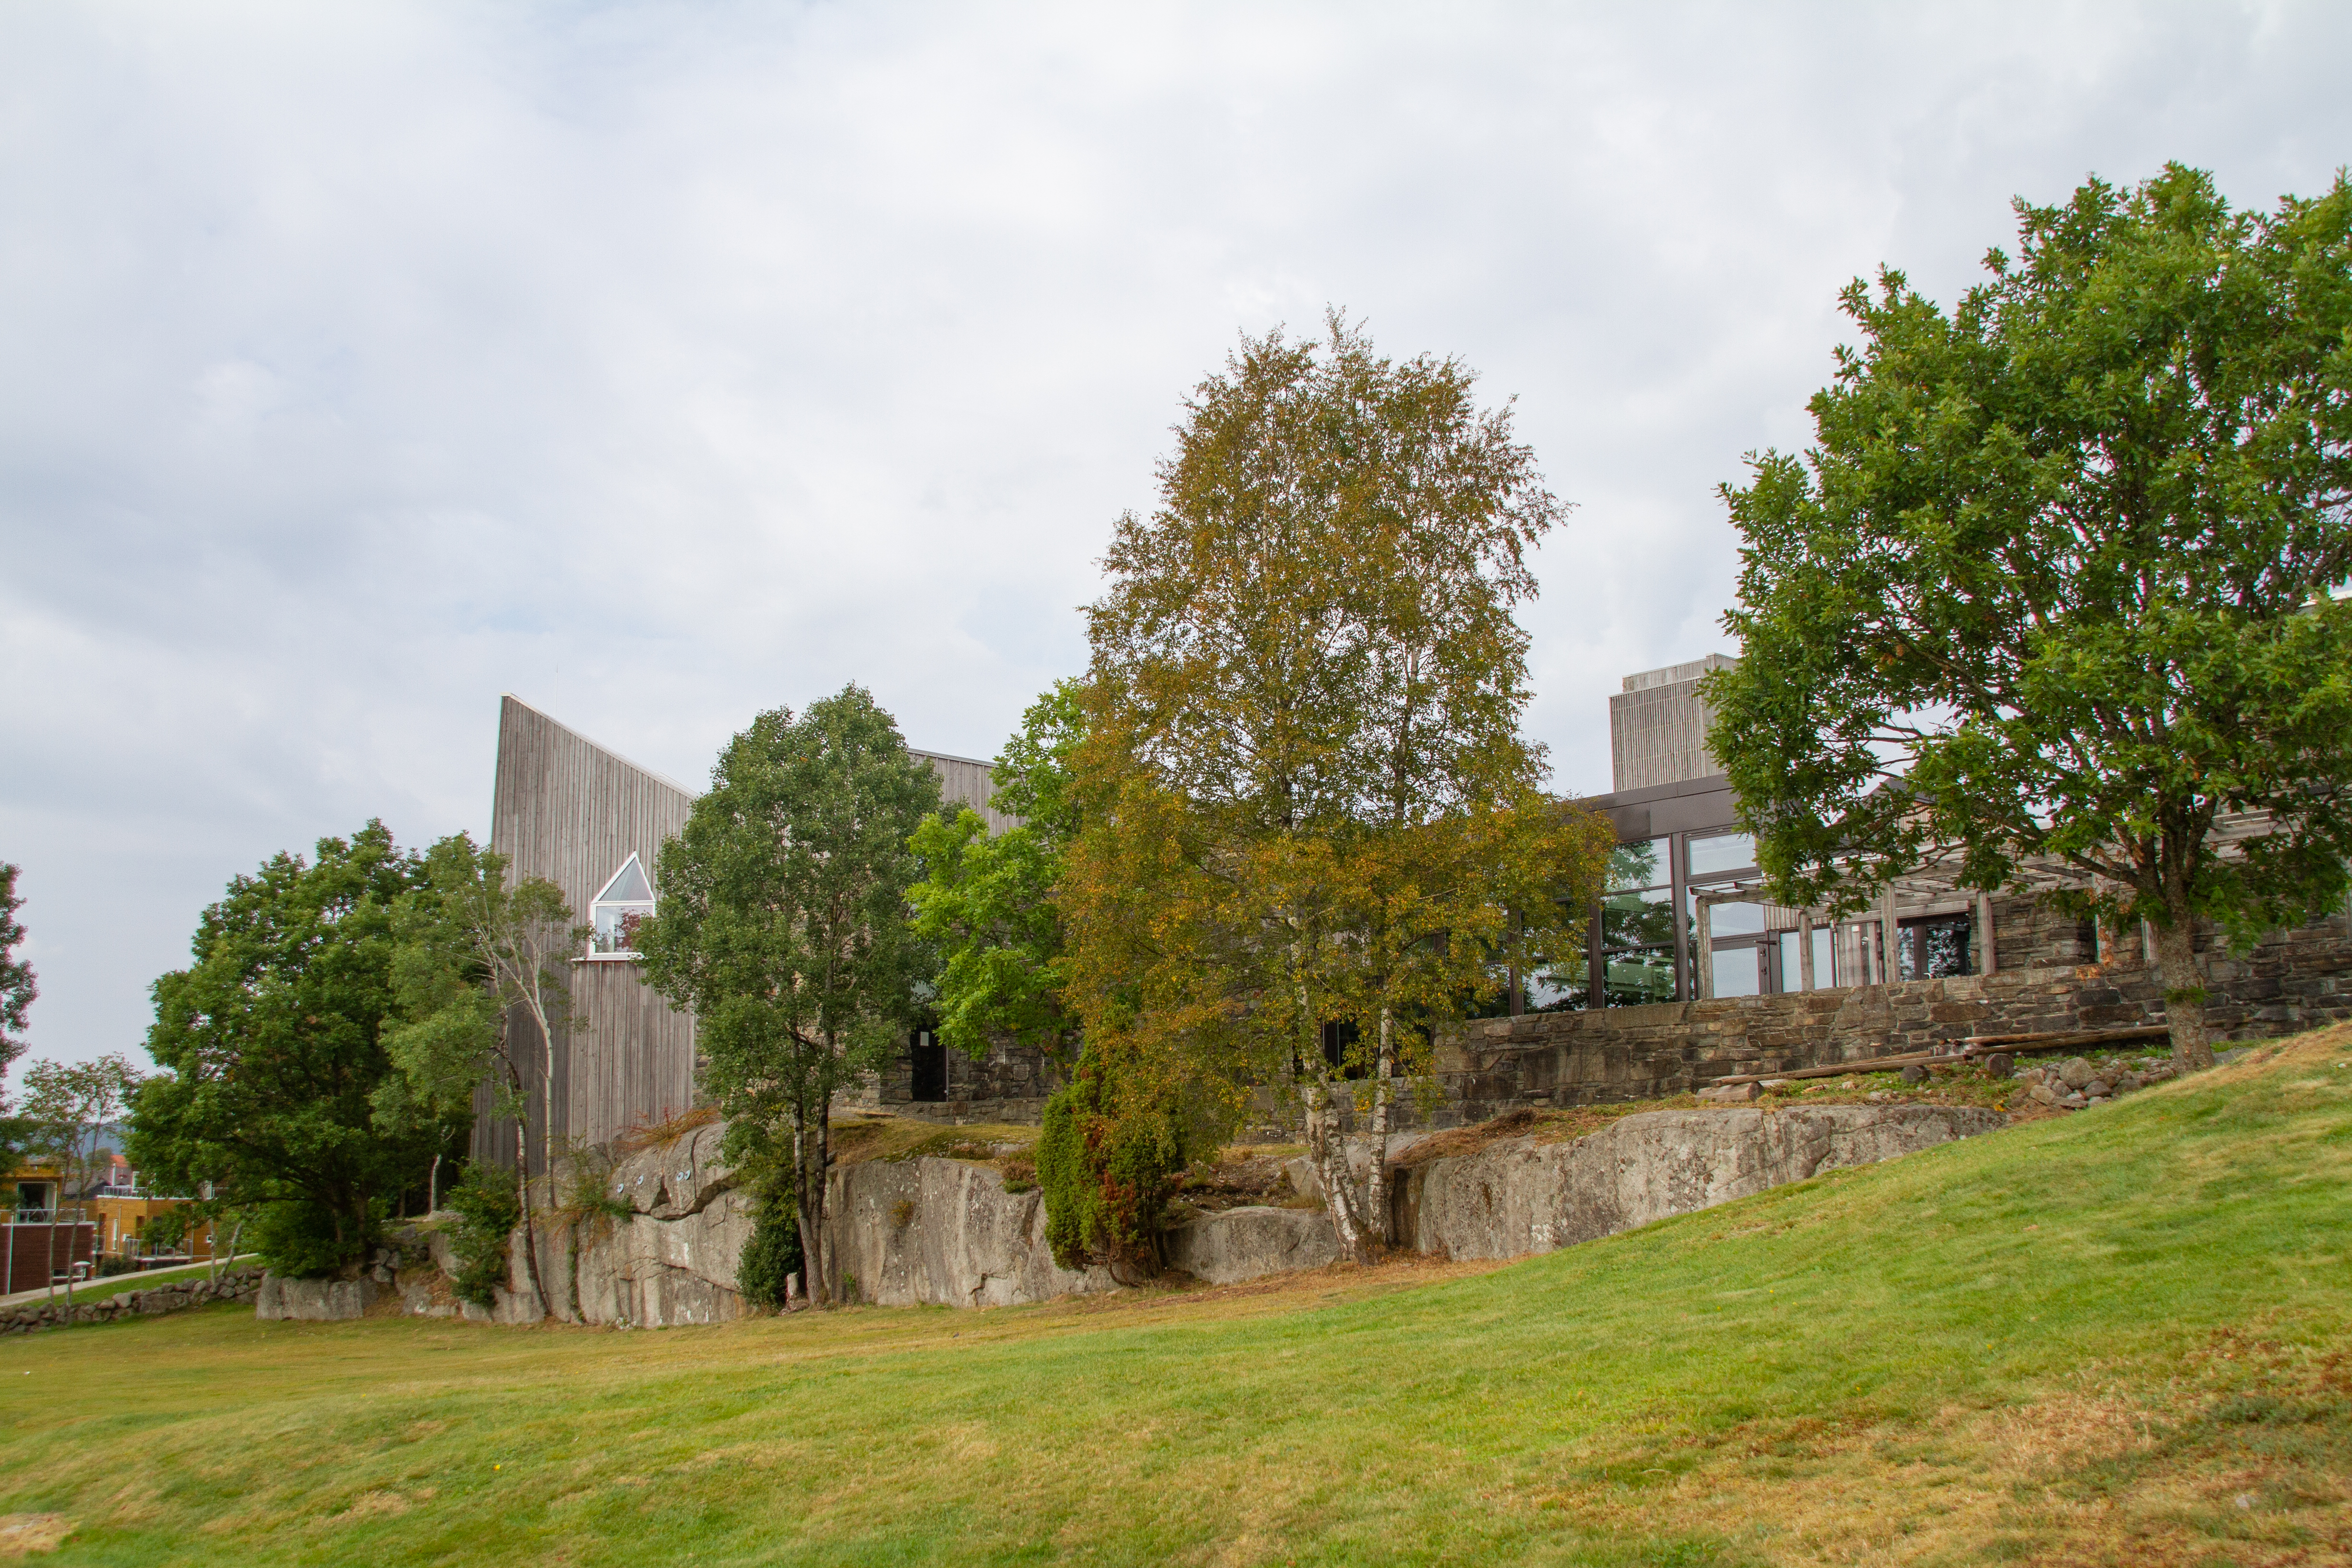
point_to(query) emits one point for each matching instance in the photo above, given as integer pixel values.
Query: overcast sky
(664, 363)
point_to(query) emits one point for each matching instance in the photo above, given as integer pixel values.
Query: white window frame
(619, 906)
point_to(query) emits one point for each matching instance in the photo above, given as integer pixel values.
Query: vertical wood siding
(566, 809)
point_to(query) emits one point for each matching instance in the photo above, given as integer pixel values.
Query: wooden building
(593, 822)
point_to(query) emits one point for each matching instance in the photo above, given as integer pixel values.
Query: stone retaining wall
(241, 1284)
(2298, 980)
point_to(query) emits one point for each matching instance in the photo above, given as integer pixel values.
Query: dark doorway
(1340, 1038)
(930, 1063)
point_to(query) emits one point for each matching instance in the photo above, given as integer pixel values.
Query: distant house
(593, 822)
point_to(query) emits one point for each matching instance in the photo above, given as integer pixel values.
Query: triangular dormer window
(626, 899)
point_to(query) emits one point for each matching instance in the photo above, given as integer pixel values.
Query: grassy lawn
(2116, 1337)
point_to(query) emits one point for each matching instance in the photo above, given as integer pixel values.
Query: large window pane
(1736, 973)
(1725, 851)
(1637, 919)
(1733, 919)
(1642, 864)
(1634, 979)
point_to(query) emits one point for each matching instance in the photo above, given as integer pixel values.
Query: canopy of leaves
(18, 990)
(2055, 579)
(987, 902)
(271, 1043)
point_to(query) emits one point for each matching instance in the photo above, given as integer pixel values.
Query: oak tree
(2054, 581)
(272, 1046)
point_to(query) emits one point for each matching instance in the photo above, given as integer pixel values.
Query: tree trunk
(1376, 1189)
(824, 1172)
(529, 1229)
(1331, 1169)
(803, 1210)
(2184, 993)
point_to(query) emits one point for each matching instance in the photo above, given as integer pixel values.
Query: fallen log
(1983, 1045)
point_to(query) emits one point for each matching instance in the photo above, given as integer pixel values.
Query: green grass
(2119, 1336)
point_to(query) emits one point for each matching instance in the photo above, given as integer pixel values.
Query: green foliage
(1108, 1167)
(987, 903)
(18, 990)
(69, 1106)
(487, 1208)
(473, 953)
(167, 1228)
(771, 1255)
(306, 1239)
(2058, 566)
(273, 1051)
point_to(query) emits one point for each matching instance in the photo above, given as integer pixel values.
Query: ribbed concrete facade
(1657, 727)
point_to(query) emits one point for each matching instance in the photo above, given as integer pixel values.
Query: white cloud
(666, 363)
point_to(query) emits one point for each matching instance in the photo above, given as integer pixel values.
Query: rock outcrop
(934, 1232)
(945, 1232)
(672, 1260)
(282, 1300)
(1237, 1244)
(1521, 1196)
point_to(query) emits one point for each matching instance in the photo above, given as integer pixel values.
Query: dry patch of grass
(860, 1136)
(23, 1534)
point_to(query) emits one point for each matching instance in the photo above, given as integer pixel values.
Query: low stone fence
(234, 1285)
(2298, 980)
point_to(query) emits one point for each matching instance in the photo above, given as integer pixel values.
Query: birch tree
(1309, 679)
(782, 920)
(2057, 578)
(478, 957)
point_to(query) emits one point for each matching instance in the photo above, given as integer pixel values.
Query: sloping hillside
(2114, 1337)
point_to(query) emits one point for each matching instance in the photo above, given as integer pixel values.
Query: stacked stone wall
(235, 1284)
(2297, 979)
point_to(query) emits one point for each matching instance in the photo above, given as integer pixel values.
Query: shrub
(1108, 1169)
(488, 1209)
(299, 1239)
(773, 1254)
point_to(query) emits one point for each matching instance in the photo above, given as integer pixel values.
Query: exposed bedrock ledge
(941, 1232)
(1523, 1196)
(1238, 1244)
(935, 1232)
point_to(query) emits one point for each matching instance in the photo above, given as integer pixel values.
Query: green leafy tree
(70, 1105)
(272, 1047)
(987, 903)
(1307, 799)
(18, 993)
(2055, 580)
(480, 990)
(18, 990)
(782, 921)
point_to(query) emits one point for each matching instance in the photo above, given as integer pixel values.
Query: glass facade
(1719, 852)
(1639, 975)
